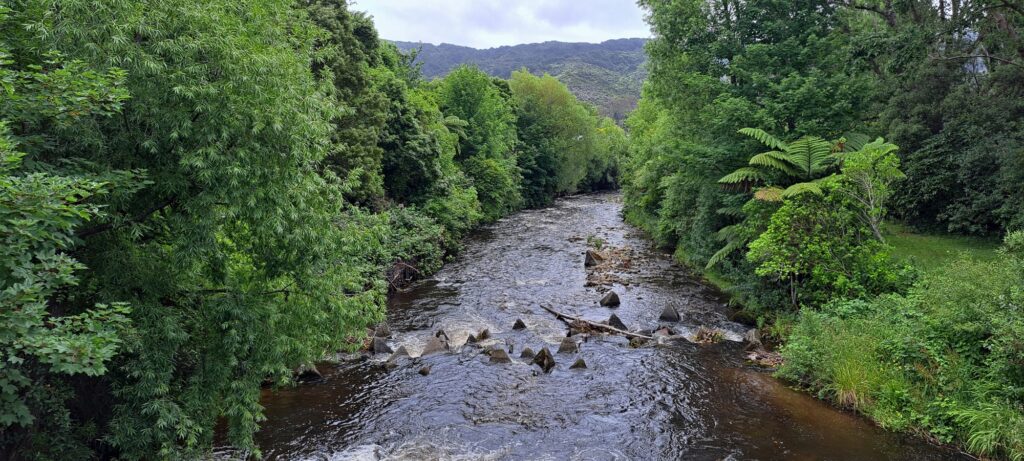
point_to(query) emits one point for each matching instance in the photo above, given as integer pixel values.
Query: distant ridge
(608, 75)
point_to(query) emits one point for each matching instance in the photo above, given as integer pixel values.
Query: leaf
(742, 175)
(775, 159)
(769, 194)
(763, 137)
(802, 188)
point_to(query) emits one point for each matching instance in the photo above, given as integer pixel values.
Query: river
(675, 400)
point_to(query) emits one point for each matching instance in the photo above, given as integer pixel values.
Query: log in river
(663, 399)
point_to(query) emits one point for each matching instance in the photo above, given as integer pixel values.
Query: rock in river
(425, 370)
(545, 360)
(382, 331)
(434, 346)
(519, 325)
(579, 365)
(593, 258)
(380, 346)
(610, 300)
(670, 314)
(527, 354)
(615, 322)
(568, 346)
(500, 356)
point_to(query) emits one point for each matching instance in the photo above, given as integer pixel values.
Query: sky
(491, 23)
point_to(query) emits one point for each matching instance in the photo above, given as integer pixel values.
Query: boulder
(425, 370)
(610, 300)
(471, 339)
(519, 325)
(527, 354)
(670, 314)
(380, 346)
(545, 360)
(579, 365)
(568, 346)
(500, 356)
(615, 322)
(434, 346)
(593, 258)
(484, 335)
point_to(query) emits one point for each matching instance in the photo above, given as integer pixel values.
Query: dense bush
(946, 357)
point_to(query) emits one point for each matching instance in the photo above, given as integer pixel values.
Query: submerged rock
(425, 370)
(500, 356)
(519, 325)
(380, 346)
(579, 365)
(615, 322)
(545, 360)
(593, 258)
(568, 346)
(527, 354)
(610, 300)
(434, 346)
(637, 342)
(670, 314)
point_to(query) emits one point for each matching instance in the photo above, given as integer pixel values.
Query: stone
(308, 374)
(471, 339)
(610, 300)
(664, 331)
(519, 325)
(579, 365)
(382, 331)
(593, 258)
(637, 342)
(441, 334)
(670, 314)
(615, 322)
(568, 346)
(500, 356)
(380, 346)
(545, 360)
(527, 354)
(434, 346)
(425, 370)
(484, 335)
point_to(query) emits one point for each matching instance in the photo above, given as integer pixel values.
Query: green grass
(932, 251)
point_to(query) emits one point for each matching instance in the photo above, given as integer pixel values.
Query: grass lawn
(928, 251)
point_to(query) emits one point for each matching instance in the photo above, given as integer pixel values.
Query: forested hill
(608, 75)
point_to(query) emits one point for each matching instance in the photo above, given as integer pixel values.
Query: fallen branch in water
(600, 326)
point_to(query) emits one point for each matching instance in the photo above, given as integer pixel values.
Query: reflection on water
(671, 401)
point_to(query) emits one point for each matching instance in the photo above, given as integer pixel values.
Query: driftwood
(599, 326)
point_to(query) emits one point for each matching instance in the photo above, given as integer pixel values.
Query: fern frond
(853, 142)
(811, 155)
(774, 159)
(769, 194)
(728, 233)
(764, 138)
(802, 188)
(743, 175)
(720, 256)
(731, 211)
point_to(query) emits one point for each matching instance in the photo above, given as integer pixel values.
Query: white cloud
(489, 23)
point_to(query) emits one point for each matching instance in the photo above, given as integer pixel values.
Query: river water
(675, 400)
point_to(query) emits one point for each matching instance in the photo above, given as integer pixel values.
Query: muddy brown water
(671, 401)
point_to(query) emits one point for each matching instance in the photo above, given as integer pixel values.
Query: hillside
(608, 75)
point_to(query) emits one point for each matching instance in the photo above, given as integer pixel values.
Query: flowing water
(676, 400)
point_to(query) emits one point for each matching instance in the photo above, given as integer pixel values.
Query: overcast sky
(490, 23)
